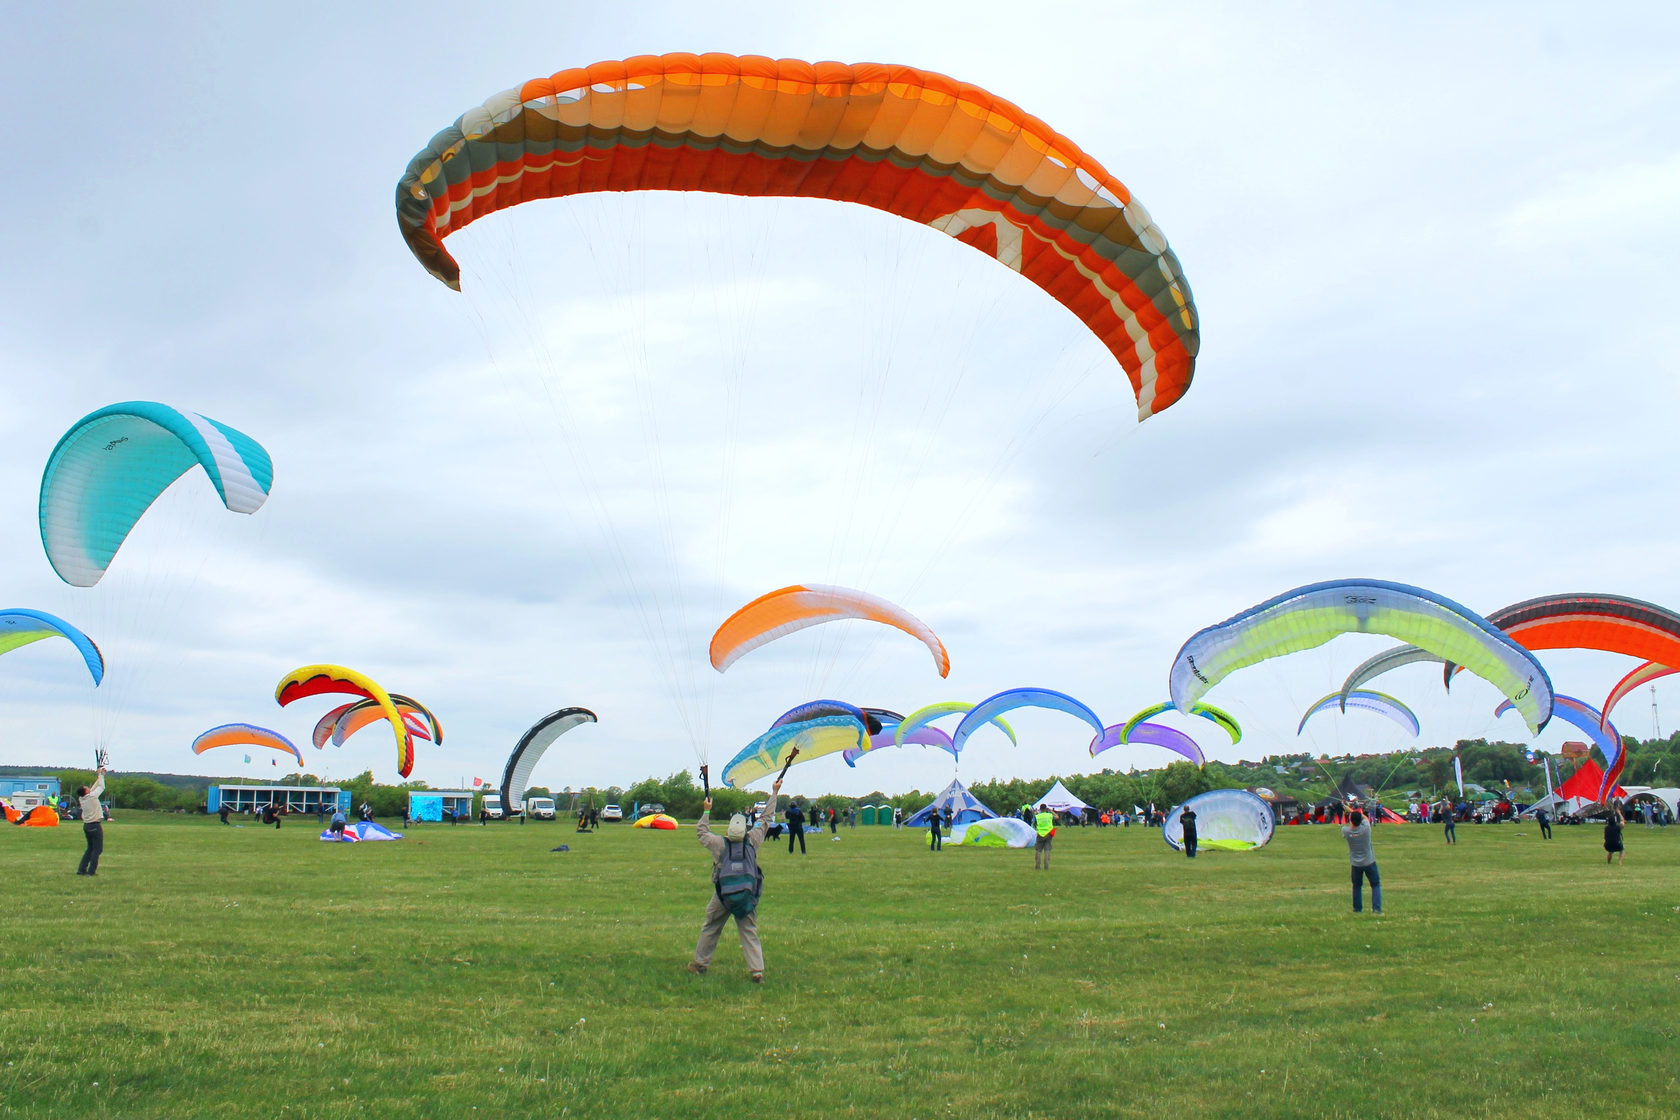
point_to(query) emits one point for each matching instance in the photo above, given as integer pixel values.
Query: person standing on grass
(1451, 827)
(1188, 820)
(796, 825)
(1044, 824)
(1544, 820)
(1357, 833)
(93, 813)
(1613, 835)
(933, 831)
(737, 883)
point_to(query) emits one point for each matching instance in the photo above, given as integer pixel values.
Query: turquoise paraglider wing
(114, 463)
(19, 626)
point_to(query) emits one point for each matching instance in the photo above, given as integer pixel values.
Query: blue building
(440, 804)
(28, 791)
(295, 799)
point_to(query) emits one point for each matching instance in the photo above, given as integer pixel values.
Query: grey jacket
(1359, 845)
(717, 845)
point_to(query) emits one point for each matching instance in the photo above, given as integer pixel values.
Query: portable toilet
(866, 815)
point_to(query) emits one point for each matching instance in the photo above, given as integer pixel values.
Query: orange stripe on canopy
(788, 609)
(913, 143)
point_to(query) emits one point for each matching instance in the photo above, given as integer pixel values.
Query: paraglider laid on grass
(771, 752)
(115, 462)
(995, 832)
(359, 831)
(19, 626)
(246, 735)
(1309, 616)
(1364, 699)
(1231, 820)
(661, 821)
(331, 680)
(532, 745)
(41, 816)
(1011, 699)
(790, 609)
(910, 142)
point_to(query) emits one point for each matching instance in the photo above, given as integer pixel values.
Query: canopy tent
(1584, 784)
(965, 807)
(1060, 800)
(1667, 796)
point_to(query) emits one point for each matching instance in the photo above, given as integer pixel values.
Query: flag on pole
(1458, 772)
(477, 782)
(1548, 765)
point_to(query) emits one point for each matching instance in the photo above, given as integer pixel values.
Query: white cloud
(1430, 252)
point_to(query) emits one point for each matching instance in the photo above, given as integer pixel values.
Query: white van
(540, 808)
(493, 806)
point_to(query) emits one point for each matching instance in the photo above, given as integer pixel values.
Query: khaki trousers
(717, 915)
(1041, 851)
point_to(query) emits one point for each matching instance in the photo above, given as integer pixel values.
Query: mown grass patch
(468, 971)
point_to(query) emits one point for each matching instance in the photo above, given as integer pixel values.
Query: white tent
(1668, 796)
(1059, 799)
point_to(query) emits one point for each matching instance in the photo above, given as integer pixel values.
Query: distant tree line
(1395, 776)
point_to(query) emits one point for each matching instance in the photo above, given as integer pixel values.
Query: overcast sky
(1432, 247)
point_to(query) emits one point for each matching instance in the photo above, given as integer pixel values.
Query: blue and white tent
(965, 807)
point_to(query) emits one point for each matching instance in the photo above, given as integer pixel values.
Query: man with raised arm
(93, 813)
(737, 883)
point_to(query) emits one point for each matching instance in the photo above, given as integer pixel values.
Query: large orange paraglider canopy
(910, 142)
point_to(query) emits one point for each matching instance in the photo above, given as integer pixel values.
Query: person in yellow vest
(1045, 825)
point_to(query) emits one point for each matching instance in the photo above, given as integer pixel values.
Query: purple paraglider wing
(1150, 734)
(925, 736)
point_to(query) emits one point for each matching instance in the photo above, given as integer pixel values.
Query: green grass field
(470, 971)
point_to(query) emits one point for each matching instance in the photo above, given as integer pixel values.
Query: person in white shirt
(92, 814)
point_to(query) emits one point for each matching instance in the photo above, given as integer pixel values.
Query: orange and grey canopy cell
(788, 609)
(910, 142)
